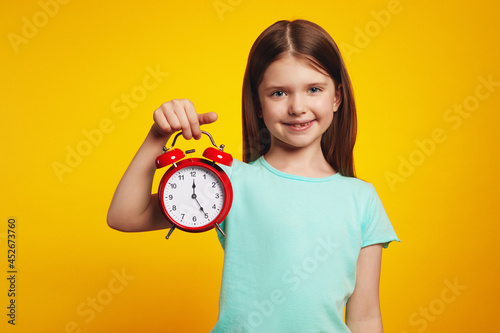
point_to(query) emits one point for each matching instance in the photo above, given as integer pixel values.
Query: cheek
(327, 120)
(273, 109)
(325, 108)
(268, 119)
(325, 113)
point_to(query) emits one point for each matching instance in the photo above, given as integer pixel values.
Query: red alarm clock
(195, 194)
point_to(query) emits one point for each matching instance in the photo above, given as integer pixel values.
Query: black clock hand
(201, 208)
(194, 196)
(195, 199)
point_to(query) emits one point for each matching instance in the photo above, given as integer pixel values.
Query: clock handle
(170, 232)
(221, 148)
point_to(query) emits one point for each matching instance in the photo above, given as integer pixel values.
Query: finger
(171, 117)
(180, 112)
(207, 118)
(161, 122)
(194, 124)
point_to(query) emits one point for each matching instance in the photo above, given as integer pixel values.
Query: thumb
(207, 118)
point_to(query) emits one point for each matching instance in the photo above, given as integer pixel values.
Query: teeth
(299, 125)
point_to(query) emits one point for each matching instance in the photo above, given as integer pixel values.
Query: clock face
(193, 196)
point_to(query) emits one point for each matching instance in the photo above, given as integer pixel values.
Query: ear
(259, 112)
(338, 98)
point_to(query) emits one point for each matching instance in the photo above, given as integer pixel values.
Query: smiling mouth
(298, 125)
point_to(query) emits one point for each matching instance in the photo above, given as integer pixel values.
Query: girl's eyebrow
(274, 87)
(283, 87)
(318, 84)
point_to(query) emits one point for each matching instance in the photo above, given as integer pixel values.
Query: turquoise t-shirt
(291, 249)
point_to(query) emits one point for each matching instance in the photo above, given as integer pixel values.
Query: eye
(314, 90)
(278, 93)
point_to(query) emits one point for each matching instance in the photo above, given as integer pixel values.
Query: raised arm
(133, 207)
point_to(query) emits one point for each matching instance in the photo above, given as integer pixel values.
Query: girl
(304, 236)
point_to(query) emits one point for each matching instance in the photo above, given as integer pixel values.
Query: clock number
(205, 176)
(193, 173)
(213, 184)
(194, 218)
(182, 218)
(206, 215)
(181, 177)
(217, 195)
(173, 186)
(214, 207)
(174, 207)
(170, 197)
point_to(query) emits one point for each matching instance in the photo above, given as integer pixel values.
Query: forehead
(289, 69)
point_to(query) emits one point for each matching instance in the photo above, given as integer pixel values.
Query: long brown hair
(305, 40)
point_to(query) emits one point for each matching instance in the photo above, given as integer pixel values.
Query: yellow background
(408, 69)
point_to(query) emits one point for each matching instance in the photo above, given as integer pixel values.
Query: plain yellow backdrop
(79, 83)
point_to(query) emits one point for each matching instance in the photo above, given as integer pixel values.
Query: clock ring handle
(221, 148)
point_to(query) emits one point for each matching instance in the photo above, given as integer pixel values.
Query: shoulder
(360, 193)
(239, 168)
(356, 185)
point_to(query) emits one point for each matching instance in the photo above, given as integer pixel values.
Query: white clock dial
(193, 196)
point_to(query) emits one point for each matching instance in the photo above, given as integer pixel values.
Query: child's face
(297, 103)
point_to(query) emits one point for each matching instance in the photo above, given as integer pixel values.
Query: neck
(300, 162)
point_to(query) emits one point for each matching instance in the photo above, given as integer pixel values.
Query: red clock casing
(182, 205)
(218, 172)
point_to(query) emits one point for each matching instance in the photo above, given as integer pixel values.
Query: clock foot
(170, 232)
(220, 230)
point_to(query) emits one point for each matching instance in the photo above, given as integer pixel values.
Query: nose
(297, 105)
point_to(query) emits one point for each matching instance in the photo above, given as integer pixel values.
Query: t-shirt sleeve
(376, 228)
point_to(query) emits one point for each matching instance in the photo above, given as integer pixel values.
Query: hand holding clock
(133, 207)
(180, 115)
